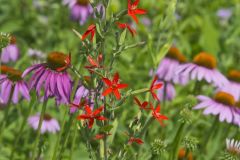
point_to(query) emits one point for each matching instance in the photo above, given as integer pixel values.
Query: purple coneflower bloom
(223, 104)
(224, 13)
(203, 68)
(80, 9)
(53, 77)
(11, 52)
(167, 92)
(48, 125)
(233, 146)
(80, 96)
(11, 81)
(168, 66)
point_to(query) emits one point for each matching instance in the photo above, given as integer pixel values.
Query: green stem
(35, 145)
(73, 141)
(146, 125)
(59, 136)
(31, 105)
(176, 142)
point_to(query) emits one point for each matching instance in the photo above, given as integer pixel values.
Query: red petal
(144, 104)
(92, 61)
(91, 27)
(121, 25)
(88, 110)
(121, 86)
(154, 95)
(107, 81)
(134, 17)
(82, 117)
(92, 34)
(132, 31)
(140, 11)
(153, 82)
(85, 35)
(90, 123)
(117, 94)
(107, 91)
(157, 110)
(136, 2)
(97, 111)
(101, 118)
(115, 78)
(157, 86)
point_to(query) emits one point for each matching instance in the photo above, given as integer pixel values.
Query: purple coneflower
(49, 124)
(168, 66)
(203, 68)
(233, 146)
(167, 92)
(223, 104)
(11, 52)
(11, 81)
(224, 13)
(53, 77)
(80, 9)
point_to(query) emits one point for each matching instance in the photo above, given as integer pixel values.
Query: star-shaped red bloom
(66, 65)
(94, 63)
(92, 115)
(133, 10)
(157, 115)
(125, 25)
(136, 140)
(91, 30)
(143, 105)
(155, 87)
(113, 86)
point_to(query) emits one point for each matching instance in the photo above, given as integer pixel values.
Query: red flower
(136, 140)
(133, 10)
(101, 136)
(155, 87)
(142, 105)
(94, 63)
(125, 25)
(80, 105)
(66, 65)
(92, 115)
(157, 115)
(113, 86)
(91, 30)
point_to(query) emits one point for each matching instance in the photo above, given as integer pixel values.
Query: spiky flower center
(205, 60)
(56, 60)
(13, 40)
(175, 54)
(224, 98)
(12, 74)
(234, 75)
(47, 117)
(83, 2)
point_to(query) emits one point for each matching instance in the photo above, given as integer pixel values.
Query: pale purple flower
(222, 105)
(167, 68)
(47, 76)
(224, 13)
(11, 81)
(35, 53)
(233, 146)
(203, 68)
(80, 10)
(146, 21)
(167, 92)
(10, 53)
(49, 124)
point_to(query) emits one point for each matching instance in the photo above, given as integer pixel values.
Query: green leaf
(99, 30)
(122, 37)
(106, 128)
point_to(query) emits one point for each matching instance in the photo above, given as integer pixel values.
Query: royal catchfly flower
(182, 155)
(91, 30)
(222, 104)
(11, 81)
(133, 10)
(157, 115)
(142, 106)
(125, 25)
(113, 86)
(10, 52)
(49, 124)
(167, 68)
(203, 67)
(92, 115)
(94, 64)
(136, 140)
(53, 77)
(155, 87)
(233, 146)
(80, 10)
